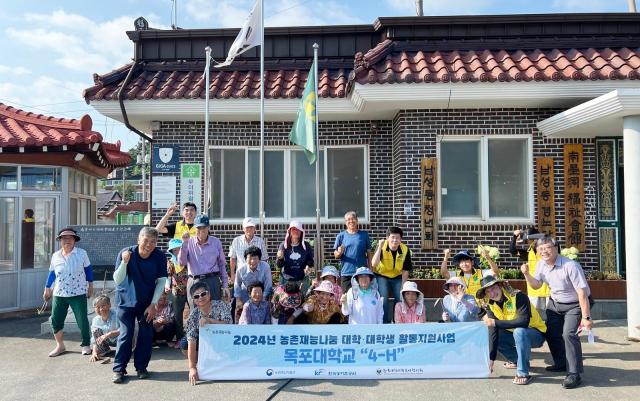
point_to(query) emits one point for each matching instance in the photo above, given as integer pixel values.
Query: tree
(134, 169)
(128, 192)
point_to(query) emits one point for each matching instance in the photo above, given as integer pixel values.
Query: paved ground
(612, 373)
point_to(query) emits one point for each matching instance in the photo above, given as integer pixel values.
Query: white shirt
(240, 244)
(365, 309)
(71, 280)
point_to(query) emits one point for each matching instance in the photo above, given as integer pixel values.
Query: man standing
(392, 264)
(241, 243)
(352, 248)
(569, 306)
(140, 277)
(175, 230)
(515, 326)
(205, 260)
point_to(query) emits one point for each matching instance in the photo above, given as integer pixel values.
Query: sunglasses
(201, 294)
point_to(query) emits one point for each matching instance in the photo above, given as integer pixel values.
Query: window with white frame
(486, 178)
(289, 183)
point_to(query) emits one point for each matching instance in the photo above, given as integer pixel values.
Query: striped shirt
(240, 244)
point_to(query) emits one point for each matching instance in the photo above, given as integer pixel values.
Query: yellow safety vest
(508, 312)
(386, 267)
(532, 261)
(181, 228)
(472, 283)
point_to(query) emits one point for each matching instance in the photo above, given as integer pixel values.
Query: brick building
(470, 91)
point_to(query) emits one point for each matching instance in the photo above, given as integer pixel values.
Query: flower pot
(608, 289)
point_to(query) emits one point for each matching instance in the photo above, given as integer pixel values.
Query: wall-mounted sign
(574, 196)
(190, 184)
(164, 191)
(545, 195)
(429, 204)
(166, 159)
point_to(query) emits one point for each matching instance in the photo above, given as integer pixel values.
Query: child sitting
(256, 311)
(411, 309)
(105, 328)
(362, 303)
(321, 307)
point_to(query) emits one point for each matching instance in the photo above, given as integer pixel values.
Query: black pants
(562, 323)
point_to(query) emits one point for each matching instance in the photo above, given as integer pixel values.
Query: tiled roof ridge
(43, 119)
(501, 65)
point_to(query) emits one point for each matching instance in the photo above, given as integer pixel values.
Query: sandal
(510, 365)
(522, 380)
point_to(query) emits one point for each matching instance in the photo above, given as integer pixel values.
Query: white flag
(248, 37)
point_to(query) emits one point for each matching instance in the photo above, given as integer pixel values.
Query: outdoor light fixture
(78, 157)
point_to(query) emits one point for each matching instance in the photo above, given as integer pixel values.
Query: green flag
(303, 133)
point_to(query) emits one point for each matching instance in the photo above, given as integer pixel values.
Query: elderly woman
(329, 273)
(104, 328)
(321, 308)
(72, 274)
(206, 311)
(458, 306)
(411, 309)
(295, 257)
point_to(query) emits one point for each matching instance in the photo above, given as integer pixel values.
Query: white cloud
(78, 43)
(5, 69)
(233, 13)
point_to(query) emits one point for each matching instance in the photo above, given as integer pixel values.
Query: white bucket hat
(411, 286)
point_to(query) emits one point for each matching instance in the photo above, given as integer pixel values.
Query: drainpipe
(632, 6)
(142, 135)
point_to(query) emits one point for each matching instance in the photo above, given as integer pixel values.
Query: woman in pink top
(411, 309)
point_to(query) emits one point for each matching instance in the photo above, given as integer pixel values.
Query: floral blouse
(220, 310)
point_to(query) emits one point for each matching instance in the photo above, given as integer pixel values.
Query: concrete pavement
(611, 373)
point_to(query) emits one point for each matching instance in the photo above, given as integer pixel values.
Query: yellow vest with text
(472, 283)
(532, 261)
(386, 266)
(181, 228)
(509, 312)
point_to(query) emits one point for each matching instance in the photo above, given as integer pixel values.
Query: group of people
(372, 287)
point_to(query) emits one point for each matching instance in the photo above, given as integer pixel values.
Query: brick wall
(395, 150)
(414, 137)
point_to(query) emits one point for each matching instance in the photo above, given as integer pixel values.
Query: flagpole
(262, 118)
(205, 205)
(318, 247)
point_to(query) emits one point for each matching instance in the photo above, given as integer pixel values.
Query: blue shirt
(245, 276)
(296, 258)
(137, 288)
(465, 310)
(355, 250)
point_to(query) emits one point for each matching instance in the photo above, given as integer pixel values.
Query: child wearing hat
(458, 306)
(286, 302)
(470, 271)
(329, 273)
(362, 303)
(321, 307)
(178, 278)
(411, 309)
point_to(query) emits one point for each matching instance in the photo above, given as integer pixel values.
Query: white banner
(190, 185)
(164, 191)
(389, 351)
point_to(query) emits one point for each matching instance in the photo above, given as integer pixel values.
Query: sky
(49, 50)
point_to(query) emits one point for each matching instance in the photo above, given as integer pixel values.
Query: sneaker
(86, 350)
(555, 368)
(572, 380)
(118, 377)
(143, 374)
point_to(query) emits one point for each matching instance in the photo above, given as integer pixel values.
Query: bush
(511, 274)
(598, 275)
(426, 274)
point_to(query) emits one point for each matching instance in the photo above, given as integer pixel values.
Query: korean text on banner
(432, 350)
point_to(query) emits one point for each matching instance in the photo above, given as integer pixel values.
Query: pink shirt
(409, 315)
